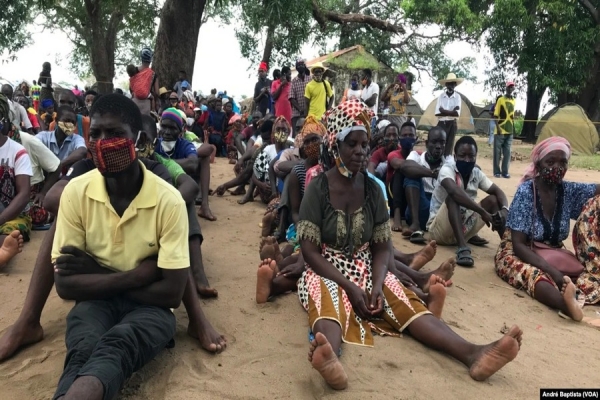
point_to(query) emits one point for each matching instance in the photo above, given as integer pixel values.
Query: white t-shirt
(428, 183)
(353, 94)
(41, 158)
(19, 117)
(14, 157)
(477, 180)
(448, 103)
(369, 91)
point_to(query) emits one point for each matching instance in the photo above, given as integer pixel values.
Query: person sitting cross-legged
(420, 173)
(124, 282)
(455, 217)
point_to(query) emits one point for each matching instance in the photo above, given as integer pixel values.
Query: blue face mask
(407, 143)
(465, 168)
(203, 107)
(354, 85)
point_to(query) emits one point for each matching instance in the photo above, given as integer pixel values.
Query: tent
(465, 121)
(571, 122)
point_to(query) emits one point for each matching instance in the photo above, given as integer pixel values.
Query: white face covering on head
(168, 146)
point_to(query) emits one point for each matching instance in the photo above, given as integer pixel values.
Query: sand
(268, 344)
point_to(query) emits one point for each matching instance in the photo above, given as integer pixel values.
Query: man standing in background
(447, 110)
(504, 112)
(262, 95)
(297, 90)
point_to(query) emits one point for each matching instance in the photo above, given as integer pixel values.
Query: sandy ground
(268, 344)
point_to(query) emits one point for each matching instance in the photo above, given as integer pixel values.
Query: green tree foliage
(15, 15)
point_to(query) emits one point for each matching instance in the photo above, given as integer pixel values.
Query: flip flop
(465, 260)
(478, 241)
(418, 237)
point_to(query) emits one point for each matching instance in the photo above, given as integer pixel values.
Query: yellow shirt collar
(146, 198)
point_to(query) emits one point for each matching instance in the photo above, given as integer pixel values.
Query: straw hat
(318, 65)
(163, 90)
(451, 78)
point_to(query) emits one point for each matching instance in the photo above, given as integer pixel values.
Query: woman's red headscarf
(541, 150)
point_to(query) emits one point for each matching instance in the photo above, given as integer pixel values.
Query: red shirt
(283, 107)
(396, 154)
(380, 156)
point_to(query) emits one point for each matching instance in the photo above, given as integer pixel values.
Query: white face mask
(168, 146)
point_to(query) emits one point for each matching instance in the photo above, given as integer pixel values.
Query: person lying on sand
(541, 212)
(345, 237)
(27, 328)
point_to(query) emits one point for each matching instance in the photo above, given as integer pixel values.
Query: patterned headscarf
(274, 138)
(174, 115)
(348, 116)
(311, 126)
(541, 150)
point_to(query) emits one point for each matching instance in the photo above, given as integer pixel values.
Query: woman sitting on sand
(556, 203)
(345, 237)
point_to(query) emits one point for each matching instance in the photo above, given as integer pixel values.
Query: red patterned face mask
(112, 155)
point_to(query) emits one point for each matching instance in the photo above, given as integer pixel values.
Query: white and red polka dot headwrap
(351, 115)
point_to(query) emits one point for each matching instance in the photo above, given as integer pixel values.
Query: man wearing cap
(296, 96)
(504, 112)
(262, 95)
(448, 110)
(318, 92)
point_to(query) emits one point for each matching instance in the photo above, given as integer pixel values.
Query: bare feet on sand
(209, 338)
(323, 359)
(267, 224)
(247, 198)
(569, 292)
(437, 295)
(269, 248)
(17, 336)
(13, 245)
(425, 255)
(496, 355)
(206, 213)
(446, 269)
(264, 280)
(206, 292)
(239, 191)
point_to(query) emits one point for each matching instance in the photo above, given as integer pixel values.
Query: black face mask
(465, 168)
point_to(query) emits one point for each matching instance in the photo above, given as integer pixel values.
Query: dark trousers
(111, 339)
(502, 145)
(396, 194)
(450, 128)
(424, 202)
(217, 140)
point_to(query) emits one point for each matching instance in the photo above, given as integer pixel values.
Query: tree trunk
(268, 44)
(103, 43)
(532, 113)
(177, 40)
(589, 97)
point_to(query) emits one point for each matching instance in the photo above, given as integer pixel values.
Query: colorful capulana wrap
(311, 126)
(348, 116)
(541, 150)
(173, 115)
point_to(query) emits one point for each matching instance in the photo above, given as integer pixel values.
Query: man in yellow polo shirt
(318, 92)
(504, 113)
(121, 251)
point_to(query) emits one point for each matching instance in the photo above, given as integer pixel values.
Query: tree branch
(322, 16)
(592, 10)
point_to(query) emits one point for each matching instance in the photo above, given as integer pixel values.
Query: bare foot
(269, 248)
(446, 269)
(423, 256)
(206, 213)
(247, 198)
(569, 292)
(239, 191)
(264, 280)
(206, 292)
(496, 355)
(13, 245)
(397, 221)
(209, 338)
(267, 224)
(323, 359)
(18, 336)
(437, 295)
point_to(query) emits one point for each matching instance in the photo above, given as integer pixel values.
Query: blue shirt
(216, 120)
(381, 185)
(183, 149)
(70, 144)
(522, 209)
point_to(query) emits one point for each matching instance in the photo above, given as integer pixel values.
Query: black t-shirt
(83, 166)
(265, 101)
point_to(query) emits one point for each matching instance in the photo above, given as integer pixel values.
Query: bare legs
(563, 300)
(27, 328)
(204, 153)
(197, 267)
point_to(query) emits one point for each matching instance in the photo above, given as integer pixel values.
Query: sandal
(478, 241)
(464, 260)
(418, 237)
